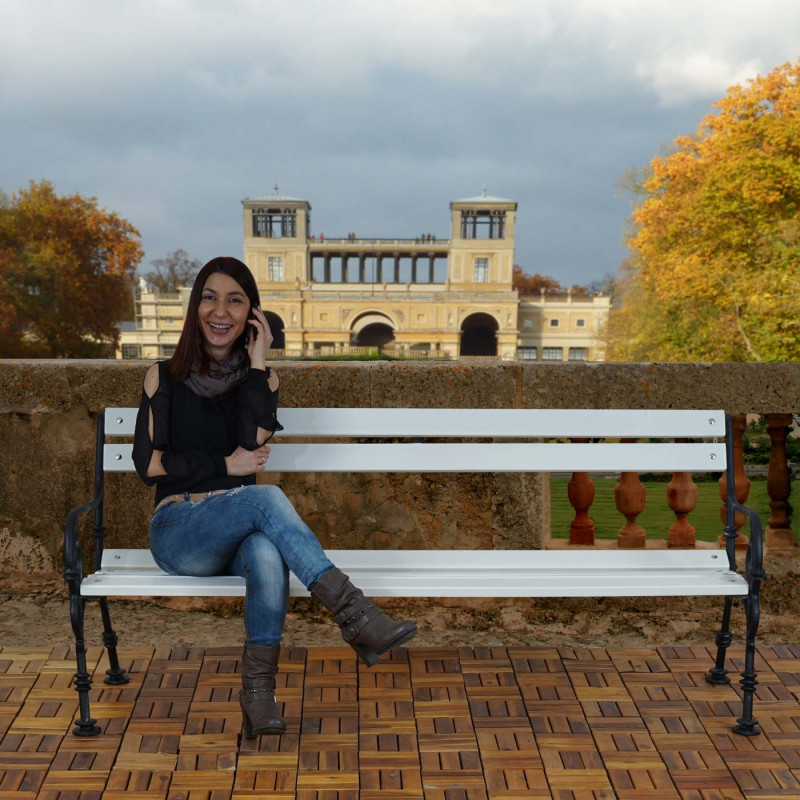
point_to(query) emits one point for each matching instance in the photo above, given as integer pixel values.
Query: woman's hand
(260, 339)
(246, 462)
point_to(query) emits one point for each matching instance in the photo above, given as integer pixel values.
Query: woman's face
(222, 314)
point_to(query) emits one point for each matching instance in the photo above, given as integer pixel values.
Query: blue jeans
(251, 531)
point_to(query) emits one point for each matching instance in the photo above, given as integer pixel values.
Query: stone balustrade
(48, 408)
(681, 497)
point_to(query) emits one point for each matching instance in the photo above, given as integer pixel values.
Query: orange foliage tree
(66, 270)
(716, 236)
(527, 284)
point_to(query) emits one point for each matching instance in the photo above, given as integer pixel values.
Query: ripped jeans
(251, 531)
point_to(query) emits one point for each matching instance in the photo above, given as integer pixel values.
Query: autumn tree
(716, 236)
(66, 271)
(174, 270)
(527, 284)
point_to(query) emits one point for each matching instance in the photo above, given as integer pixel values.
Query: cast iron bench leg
(115, 675)
(747, 724)
(718, 675)
(85, 726)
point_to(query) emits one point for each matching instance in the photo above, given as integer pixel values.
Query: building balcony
(418, 244)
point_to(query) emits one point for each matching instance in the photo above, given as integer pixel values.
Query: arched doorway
(372, 330)
(377, 334)
(276, 327)
(479, 335)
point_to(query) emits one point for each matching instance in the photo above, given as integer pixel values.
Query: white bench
(484, 573)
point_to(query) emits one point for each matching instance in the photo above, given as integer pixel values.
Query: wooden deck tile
(432, 723)
(137, 785)
(548, 686)
(637, 660)
(557, 717)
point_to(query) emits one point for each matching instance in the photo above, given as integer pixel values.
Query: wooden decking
(435, 723)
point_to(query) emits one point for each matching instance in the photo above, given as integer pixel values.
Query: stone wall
(48, 410)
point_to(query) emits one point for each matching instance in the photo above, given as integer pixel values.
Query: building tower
(481, 266)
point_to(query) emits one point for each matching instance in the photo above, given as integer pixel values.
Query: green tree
(174, 270)
(66, 272)
(715, 236)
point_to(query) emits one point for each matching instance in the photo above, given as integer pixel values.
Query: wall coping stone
(57, 385)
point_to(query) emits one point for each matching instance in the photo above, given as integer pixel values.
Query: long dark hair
(191, 348)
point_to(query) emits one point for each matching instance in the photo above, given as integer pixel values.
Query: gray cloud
(378, 113)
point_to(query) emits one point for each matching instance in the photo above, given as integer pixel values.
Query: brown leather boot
(259, 710)
(364, 626)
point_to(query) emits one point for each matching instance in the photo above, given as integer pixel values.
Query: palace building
(420, 297)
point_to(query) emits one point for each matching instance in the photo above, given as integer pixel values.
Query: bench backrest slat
(488, 423)
(478, 457)
(482, 456)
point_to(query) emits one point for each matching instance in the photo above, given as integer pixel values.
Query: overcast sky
(169, 112)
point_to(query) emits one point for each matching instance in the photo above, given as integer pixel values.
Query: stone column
(580, 491)
(682, 500)
(779, 532)
(630, 498)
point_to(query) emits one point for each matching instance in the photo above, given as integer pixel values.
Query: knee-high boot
(259, 710)
(364, 626)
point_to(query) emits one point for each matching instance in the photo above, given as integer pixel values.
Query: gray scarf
(221, 376)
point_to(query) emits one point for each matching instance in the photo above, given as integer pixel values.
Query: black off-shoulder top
(196, 433)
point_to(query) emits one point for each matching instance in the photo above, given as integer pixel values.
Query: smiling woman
(223, 307)
(201, 436)
(222, 314)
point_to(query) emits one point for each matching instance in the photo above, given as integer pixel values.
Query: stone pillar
(414, 258)
(326, 271)
(682, 500)
(741, 480)
(779, 532)
(630, 498)
(580, 491)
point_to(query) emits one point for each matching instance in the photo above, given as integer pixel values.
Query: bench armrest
(73, 560)
(754, 558)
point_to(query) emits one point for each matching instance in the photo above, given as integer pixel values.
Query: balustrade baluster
(630, 497)
(742, 482)
(779, 532)
(682, 500)
(580, 491)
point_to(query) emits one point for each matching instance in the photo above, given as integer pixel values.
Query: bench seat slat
(479, 457)
(446, 583)
(498, 423)
(473, 573)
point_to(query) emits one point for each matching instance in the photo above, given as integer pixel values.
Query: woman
(201, 436)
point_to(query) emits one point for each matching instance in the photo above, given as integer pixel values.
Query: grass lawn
(656, 517)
